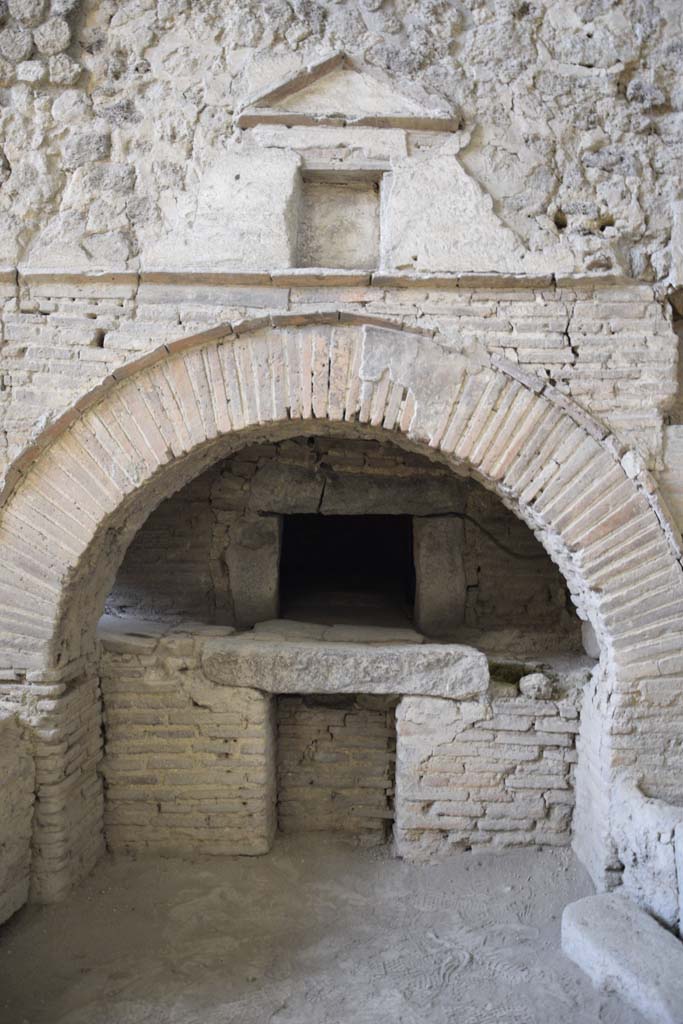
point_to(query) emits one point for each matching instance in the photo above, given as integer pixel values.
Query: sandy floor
(315, 933)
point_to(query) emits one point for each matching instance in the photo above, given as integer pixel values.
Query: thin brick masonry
(196, 766)
(485, 774)
(610, 348)
(189, 767)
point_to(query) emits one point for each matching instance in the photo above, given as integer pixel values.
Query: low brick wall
(336, 765)
(17, 788)
(484, 774)
(189, 766)
(195, 766)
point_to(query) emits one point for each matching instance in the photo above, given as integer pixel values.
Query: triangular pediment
(340, 91)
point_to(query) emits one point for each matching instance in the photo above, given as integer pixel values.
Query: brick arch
(76, 499)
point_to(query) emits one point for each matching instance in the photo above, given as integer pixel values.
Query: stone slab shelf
(276, 665)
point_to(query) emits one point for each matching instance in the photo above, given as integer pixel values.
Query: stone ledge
(622, 948)
(314, 277)
(276, 665)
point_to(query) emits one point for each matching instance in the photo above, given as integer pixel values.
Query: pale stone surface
(338, 225)
(242, 212)
(589, 640)
(441, 582)
(459, 232)
(350, 93)
(252, 559)
(300, 666)
(537, 686)
(52, 36)
(17, 779)
(623, 949)
(285, 629)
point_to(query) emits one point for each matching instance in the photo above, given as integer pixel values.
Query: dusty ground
(315, 933)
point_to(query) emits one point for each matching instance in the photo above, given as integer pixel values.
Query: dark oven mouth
(348, 568)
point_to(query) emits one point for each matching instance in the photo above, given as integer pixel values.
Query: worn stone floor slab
(326, 666)
(317, 932)
(622, 948)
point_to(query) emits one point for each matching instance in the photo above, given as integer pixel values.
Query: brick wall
(17, 792)
(485, 774)
(191, 766)
(335, 762)
(64, 723)
(610, 347)
(188, 766)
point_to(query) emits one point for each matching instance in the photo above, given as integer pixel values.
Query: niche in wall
(339, 223)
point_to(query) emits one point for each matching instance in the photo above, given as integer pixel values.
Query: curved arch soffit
(74, 500)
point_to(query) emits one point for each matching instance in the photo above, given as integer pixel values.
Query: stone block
(391, 494)
(252, 558)
(440, 581)
(622, 949)
(309, 666)
(645, 837)
(228, 225)
(285, 489)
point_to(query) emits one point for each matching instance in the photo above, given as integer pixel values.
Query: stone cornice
(302, 277)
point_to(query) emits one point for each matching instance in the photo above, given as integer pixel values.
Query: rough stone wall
(336, 765)
(484, 774)
(570, 111)
(188, 766)
(177, 562)
(609, 347)
(17, 793)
